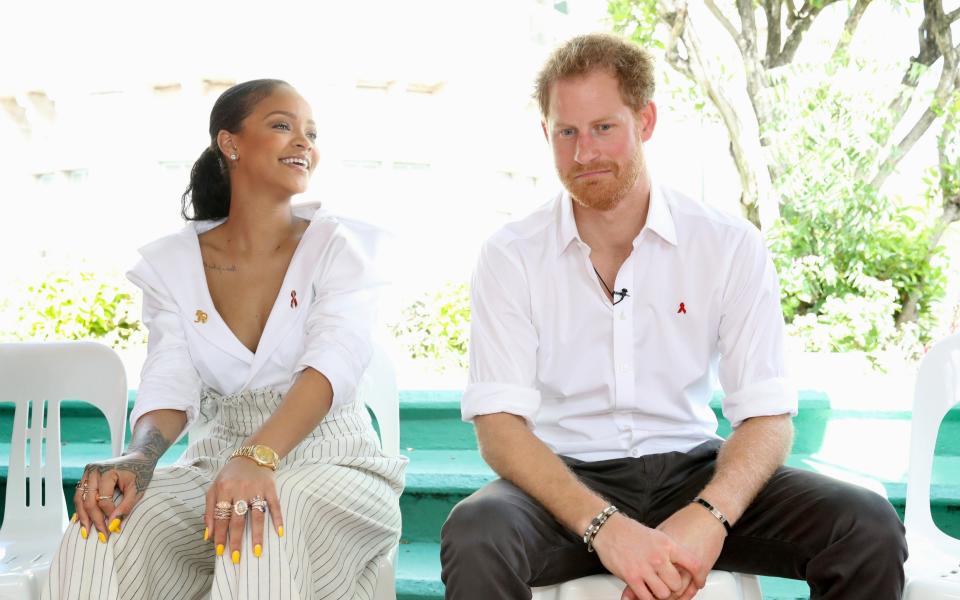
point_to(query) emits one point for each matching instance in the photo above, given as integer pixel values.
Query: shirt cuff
(339, 372)
(489, 398)
(775, 396)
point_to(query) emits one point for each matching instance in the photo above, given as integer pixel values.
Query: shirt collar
(659, 220)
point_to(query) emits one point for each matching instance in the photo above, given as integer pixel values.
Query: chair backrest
(378, 391)
(937, 391)
(37, 377)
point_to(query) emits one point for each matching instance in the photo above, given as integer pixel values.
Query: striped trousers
(340, 500)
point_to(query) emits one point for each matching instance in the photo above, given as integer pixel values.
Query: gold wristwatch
(265, 456)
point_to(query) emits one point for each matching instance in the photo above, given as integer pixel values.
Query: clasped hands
(670, 562)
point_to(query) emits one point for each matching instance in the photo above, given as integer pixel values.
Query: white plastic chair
(933, 569)
(37, 377)
(378, 390)
(721, 585)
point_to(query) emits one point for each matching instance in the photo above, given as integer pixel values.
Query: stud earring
(233, 156)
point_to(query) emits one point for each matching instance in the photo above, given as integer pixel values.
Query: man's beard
(606, 191)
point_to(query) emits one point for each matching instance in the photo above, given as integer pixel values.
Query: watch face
(263, 454)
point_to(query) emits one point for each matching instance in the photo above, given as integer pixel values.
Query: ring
(258, 503)
(83, 496)
(104, 497)
(240, 507)
(82, 484)
(221, 510)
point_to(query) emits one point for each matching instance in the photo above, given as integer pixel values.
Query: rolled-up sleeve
(168, 379)
(338, 330)
(752, 369)
(503, 339)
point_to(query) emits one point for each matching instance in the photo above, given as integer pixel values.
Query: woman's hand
(94, 498)
(241, 479)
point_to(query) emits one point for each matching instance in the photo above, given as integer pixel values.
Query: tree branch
(850, 28)
(772, 10)
(808, 13)
(737, 38)
(936, 40)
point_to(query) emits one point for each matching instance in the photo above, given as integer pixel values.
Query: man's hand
(695, 529)
(649, 561)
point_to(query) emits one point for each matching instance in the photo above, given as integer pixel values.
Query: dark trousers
(845, 541)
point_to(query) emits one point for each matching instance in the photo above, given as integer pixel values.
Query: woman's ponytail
(209, 190)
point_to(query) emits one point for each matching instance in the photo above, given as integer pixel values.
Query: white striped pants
(339, 497)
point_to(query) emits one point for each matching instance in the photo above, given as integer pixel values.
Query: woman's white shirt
(321, 318)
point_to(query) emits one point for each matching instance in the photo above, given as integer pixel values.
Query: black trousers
(845, 541)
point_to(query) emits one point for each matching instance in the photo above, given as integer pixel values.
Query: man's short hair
(631, 65)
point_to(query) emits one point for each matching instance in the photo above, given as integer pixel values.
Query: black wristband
(713, 511)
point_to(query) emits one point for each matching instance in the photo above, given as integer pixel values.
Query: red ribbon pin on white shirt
(293, 299)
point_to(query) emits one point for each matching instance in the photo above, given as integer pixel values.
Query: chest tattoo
(222, 269)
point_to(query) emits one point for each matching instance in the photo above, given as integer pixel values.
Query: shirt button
(623, 316)
(635, 453)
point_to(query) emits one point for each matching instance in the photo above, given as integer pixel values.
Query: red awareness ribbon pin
(682, 309)
(293, 299)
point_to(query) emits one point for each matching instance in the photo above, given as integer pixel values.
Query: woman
(258, 316)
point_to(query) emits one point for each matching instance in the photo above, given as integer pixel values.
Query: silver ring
(240, 507)
(258, 503)
(104, 497)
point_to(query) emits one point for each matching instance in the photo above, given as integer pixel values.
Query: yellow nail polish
(114, 526)
(257, 550)
(74, 518)
(219, 549)
(236, 557)
(206, 533)
(280, 531)
(103, 538)
(83, 532)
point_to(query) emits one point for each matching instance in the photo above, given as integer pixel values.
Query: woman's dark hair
(209, 190)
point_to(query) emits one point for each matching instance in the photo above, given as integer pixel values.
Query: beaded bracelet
(594, 527)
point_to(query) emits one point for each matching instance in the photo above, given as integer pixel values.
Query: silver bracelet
(594, 527)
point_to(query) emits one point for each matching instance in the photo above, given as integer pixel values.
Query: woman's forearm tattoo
(145, 449)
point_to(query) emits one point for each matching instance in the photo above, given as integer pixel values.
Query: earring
(233, 156)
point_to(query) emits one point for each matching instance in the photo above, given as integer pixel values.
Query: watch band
(251, 453)
(713, 511)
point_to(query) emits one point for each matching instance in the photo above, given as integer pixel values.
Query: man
(599, 323)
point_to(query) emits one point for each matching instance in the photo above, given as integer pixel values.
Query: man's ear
(647, 120)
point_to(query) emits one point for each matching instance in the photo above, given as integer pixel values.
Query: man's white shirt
(596, 381)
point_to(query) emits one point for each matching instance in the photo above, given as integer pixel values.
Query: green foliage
(76, 306)
(636, 20)
(436, 326)
(848, 256)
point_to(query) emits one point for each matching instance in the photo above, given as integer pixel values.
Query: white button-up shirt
(321, 319)
(596, 381)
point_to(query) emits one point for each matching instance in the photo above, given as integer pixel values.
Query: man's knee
(868, 520)
(479, 521)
